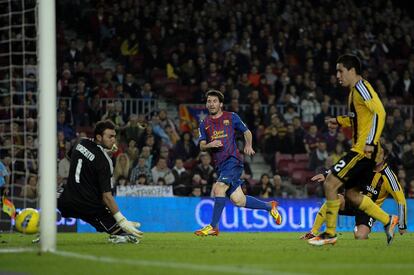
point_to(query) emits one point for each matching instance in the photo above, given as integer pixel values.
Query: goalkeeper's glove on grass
(128, 226)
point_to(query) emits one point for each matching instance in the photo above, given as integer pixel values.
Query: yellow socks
(319, 220)
(373, 210)
(332, 208)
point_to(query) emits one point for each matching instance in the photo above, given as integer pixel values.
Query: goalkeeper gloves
(128, 226)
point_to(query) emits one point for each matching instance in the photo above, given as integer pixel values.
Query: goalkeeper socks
(373, 210)
(319, 219)
(219, 203)
(253, 203)
(332, 208)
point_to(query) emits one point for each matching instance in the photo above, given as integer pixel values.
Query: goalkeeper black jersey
(89, 176)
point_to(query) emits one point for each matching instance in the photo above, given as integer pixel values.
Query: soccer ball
(27, 221)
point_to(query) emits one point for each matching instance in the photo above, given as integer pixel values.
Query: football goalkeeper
(87, 194)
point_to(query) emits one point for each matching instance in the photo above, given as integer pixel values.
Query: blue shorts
(229, 172)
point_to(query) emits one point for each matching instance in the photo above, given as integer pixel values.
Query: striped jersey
(224, 129)
(385, 183)
(366, 116)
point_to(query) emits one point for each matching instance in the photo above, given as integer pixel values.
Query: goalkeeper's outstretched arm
(128, 226)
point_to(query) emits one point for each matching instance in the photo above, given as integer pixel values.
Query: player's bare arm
(128, 226)
(109, 201)
(204, 146)
(248, 147)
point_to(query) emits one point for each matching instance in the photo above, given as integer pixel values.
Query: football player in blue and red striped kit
(218, 135)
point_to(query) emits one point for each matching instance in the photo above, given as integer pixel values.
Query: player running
(384, 182)
(217, 134)
(366, 117)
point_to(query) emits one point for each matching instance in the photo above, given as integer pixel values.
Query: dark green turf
(230, 253)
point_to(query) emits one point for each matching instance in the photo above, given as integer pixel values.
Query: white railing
(129, 105)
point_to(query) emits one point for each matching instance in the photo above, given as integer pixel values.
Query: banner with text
(144, 191)
(188, 214)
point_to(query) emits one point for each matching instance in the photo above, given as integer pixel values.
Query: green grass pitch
(230, 253)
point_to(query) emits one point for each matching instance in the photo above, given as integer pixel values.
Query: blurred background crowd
(135, 62)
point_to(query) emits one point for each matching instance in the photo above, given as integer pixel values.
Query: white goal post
(47, 123)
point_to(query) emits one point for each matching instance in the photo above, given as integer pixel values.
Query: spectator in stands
(319, 120)
(196, 191)
(290, 113)
(130, 87)
(30, 189)
(146, 92)
(283, 189)
(271, 145)
(310, 107)
(185, 148)
(338, 153)
(4, 179)
(119, 77)
(132, 152)
(134, 130)
(299, 133)
(311, 139)
(410, 190)
(181, 184)
(148, 156)
(63, 145)
(130, 47)
(64, 84)
(318, 157)
(63, 170)
(64, 127)
(119, 92)
(159, 131)
(407, 160)
(80, 104)
(142, 180)
(206, 173)
(161, 170)
(330, 137)
(408, 129)
(266, 189)
(63, 107)
(140, 169)
(390, 132)
(398, 144)
(94, 110)
(72, 55)
(122, 168)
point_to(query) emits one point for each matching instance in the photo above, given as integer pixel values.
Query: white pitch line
(161, 264)
(15, 250)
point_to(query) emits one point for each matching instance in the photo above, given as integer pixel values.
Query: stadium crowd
(260, 54)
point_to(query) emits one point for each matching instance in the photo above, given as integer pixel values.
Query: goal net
(18, 107)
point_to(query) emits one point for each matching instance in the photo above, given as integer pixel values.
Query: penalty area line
(163, 264)
(16, 250)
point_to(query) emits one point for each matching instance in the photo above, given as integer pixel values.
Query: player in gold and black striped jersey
(383, 183)
(366, 117)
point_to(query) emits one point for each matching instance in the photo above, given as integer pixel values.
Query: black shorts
(353, 169)
(102, 219)
(360, 217)
(363, 219)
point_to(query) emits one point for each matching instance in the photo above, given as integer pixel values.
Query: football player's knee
(219, 191)
(238, 201)
(360, 235)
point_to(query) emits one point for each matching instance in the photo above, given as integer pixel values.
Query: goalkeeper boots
(390, 227)
(307, 236)
(275, 214)
(207, 230)
(124, 238)
(322, 239)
